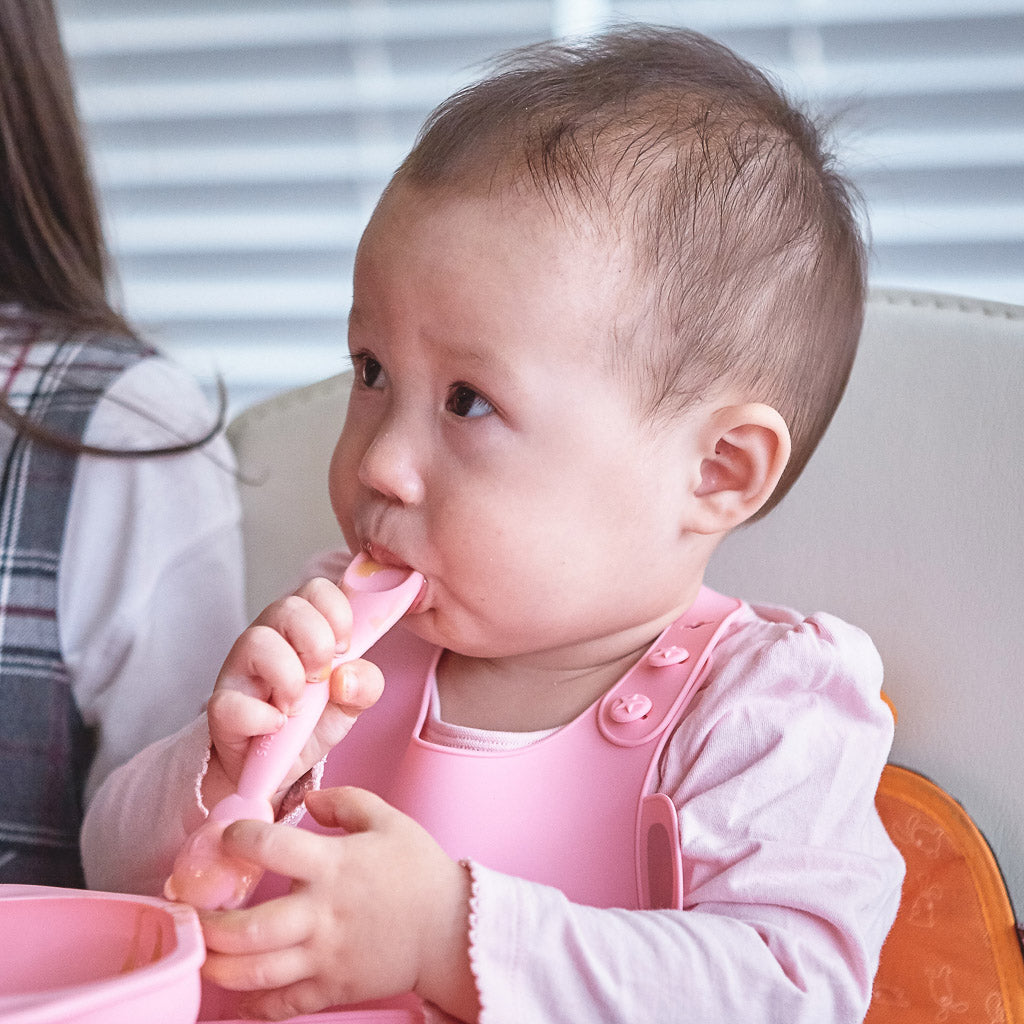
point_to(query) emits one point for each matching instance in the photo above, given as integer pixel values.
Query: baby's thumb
(356, 686)
(346, 807)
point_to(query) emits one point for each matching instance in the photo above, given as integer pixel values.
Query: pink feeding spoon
(206, 877)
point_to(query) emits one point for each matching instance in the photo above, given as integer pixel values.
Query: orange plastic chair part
(954, 953)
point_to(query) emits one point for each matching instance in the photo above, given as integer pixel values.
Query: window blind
(928, 97)
(239, 146)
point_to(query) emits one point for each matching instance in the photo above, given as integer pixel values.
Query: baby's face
(487, 442)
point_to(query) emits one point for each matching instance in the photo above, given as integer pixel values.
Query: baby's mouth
(384, 556)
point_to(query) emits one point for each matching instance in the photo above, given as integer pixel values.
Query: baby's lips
(385, 556)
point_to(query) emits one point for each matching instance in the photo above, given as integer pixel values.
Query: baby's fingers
(257, 971)
(266, 928)
(316, 620)
(235, 717)
(293, 640)
(264, 664)
(304, 997)
(356, 686)
(292, 852)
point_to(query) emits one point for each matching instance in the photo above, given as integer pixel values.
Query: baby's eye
(368, 371)
(464, 401)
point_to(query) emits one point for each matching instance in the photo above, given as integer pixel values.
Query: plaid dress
(45, 747)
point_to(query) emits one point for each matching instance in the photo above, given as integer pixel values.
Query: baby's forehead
(592, 252)
(505, 239)
(515, 200)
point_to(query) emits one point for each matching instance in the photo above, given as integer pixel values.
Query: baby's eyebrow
(468, 353)
(486, 367)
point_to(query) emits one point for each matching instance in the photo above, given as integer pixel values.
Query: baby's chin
(423, 621)
(430, 624)
(451, 620)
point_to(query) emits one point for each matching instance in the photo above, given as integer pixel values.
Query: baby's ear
(745, 449)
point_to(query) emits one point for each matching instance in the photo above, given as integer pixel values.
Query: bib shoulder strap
(648, 699)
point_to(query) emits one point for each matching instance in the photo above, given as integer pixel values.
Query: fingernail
(320, 675)
(349, 684)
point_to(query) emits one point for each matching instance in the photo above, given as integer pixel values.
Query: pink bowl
(68, 956)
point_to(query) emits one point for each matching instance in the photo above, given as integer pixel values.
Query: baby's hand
(371, 914)
(264, 675)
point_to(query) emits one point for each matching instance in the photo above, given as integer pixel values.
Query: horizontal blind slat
(261, 97)
(128, 34)
(718, 16)
(252, 163)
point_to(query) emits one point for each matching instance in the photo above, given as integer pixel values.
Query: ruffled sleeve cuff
(292, 806)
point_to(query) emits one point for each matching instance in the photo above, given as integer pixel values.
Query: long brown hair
(54, 263)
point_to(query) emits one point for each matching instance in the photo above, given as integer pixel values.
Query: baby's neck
(525, 694)
(544, 689)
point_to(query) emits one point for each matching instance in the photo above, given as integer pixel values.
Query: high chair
(907, 522)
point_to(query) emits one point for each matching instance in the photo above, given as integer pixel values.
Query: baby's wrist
(446, 978)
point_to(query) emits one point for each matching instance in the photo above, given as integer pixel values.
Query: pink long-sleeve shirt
(791, 882)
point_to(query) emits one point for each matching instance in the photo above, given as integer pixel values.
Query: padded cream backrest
(284, 446)
(907, 522)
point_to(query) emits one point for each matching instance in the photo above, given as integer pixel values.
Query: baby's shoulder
(785, 693)
(778, 651)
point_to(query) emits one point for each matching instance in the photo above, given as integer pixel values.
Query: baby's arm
(143, 812)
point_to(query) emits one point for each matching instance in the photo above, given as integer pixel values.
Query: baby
(602, 315)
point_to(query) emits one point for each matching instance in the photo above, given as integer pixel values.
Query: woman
(120, 552)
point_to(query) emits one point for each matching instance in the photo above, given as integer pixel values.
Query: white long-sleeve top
(791, 882)
(151, 577)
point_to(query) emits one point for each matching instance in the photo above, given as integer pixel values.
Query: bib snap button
(631, 708)
(662, 656)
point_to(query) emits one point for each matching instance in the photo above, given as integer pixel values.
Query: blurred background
(239, 145)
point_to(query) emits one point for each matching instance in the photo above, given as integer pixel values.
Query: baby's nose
(390, 467)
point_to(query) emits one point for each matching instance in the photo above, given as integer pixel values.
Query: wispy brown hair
(749, 262)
